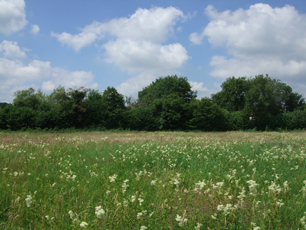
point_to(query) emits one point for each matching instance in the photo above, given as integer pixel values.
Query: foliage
(207, 116)
(166, 86)
(232, 95)
(168, 103)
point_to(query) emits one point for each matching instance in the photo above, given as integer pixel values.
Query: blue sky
(128, 44)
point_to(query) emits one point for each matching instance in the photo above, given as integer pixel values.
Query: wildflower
(112, 178)
(140, 201)
(124, 186)
(302, 220)
(143, 228)
(83, 224)
(99, 211)
(133, 198)
(139, 215)
(71, 214)
(181, 220)
(252, 187)
(256, 228)
(29, 200)
(275, 188)
(153, 182)
(226, 209)
(199, 225)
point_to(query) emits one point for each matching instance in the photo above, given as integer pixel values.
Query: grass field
(158, 180)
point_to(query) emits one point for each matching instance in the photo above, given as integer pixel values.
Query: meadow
(153, 180)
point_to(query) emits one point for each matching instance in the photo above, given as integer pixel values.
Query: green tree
(232, 95)
(166, 86)
(207, 116)
(96, 110)
(170, 112)
(115, 108)
(28, 98)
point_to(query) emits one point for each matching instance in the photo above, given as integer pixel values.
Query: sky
(128, 44)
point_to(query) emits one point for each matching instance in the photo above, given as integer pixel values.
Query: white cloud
(135, 84)
(258, 40)
(35, 29)
(15, 75)
(153, 25)
(69, 79)
(11, 49)
(12, 16)
(145, 56)
(136, 45)
(77, 41)
(201, 91)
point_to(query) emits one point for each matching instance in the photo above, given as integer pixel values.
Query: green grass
(163, 180)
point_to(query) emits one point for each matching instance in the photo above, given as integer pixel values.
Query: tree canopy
(166, 86)
(168, 103)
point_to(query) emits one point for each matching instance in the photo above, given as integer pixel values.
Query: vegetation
(154, 180)
(168, 103)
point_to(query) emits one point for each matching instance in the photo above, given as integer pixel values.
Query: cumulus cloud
(12, 16)
(35, 29)
(258, 40)
(136, 45)
(69, 79)
(135, 84)
(153, 25)
(11, 49)
(76, 41)
(14, 74)
(201, 90)
(145, 56)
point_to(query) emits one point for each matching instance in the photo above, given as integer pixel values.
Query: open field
(158, 180)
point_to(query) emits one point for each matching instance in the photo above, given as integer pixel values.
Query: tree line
(168, 103)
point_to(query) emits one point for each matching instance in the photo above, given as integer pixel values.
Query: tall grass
(153, 181)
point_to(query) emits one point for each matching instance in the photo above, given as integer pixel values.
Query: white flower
(153, 182)
(71, 214)
(181, 220)
(83, 224)
(256, 228)
(199, 225)
(140, 201)
(139, 215)
(112, 178)
(99, 211)
(143, 228)
(29, 200)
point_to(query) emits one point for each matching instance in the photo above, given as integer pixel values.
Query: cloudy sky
(128, 44)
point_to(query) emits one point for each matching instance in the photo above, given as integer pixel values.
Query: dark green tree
(166, 86)
(207, 116)
(115, 108)
(96, 110)
(28, 98)
(232, 95)
(170, 112)
(3, 104)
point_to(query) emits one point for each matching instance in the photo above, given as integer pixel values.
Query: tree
(96, 110)
(166, 86)
(28, 98)
(3, 105)
(114, 106)
(170, 112)
(207, 116)
(232, 95)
